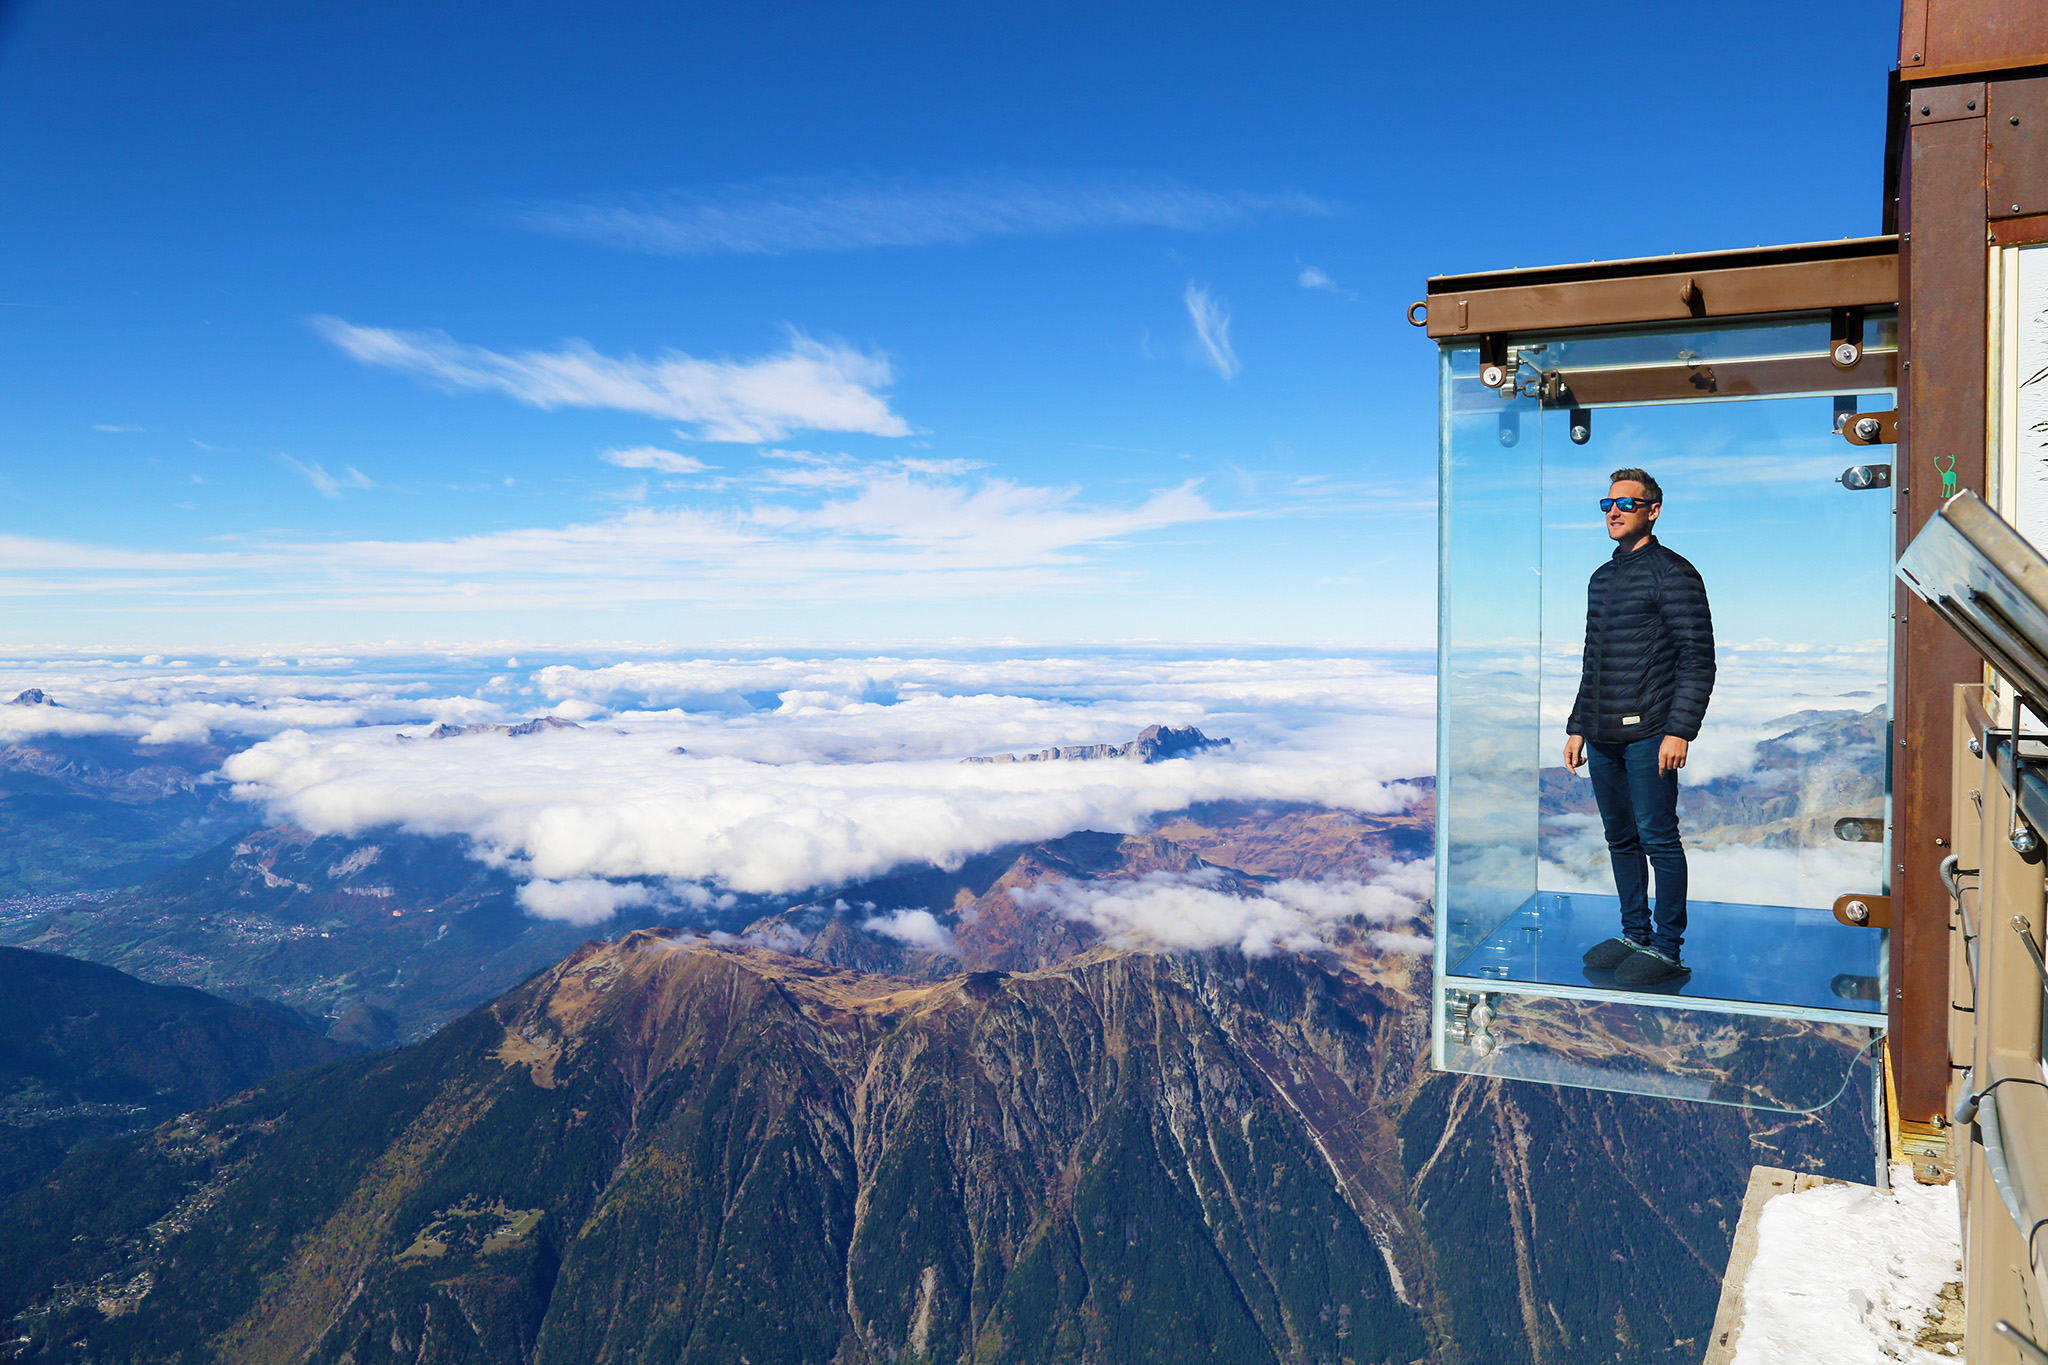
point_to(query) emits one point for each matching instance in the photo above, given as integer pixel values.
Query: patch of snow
(1847, 1275)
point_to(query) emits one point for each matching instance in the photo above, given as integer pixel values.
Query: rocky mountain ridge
(707, 1151)
(1154, 744)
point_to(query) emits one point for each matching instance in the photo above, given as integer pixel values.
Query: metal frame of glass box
(1804, 340)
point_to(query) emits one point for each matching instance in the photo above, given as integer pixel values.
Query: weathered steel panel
(1950, 37)
(1945, 103)
(1942, 333)
(2016, 147)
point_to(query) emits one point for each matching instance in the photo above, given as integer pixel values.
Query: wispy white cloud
(918, 928)
(782, 216)
(116, 428)
(808, 385)
(1314, 277)
(838, 536)
(654, 457)
(581, 900)
(1191, 911)
(1212, 329)
(329, 485)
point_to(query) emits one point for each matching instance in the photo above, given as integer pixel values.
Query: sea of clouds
(692, 780)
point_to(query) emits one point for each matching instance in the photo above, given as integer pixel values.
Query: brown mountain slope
(663, 1150)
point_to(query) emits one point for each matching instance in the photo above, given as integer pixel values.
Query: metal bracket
(1862, 910)
(1871, 429)
(1845, 336)
(1468, 1020)
(1493, 360)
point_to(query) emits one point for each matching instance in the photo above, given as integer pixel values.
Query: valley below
(982, 1112)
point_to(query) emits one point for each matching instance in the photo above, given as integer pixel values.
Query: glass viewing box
(1748, 423)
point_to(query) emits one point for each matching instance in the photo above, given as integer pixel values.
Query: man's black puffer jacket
(1649, 663)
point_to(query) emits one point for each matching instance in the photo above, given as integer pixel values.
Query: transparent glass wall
(1490, 653)
(1791, 1065)
(1739, 425)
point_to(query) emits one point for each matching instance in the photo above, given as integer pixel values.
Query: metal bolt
(1867, 428)
(2023, 840)
(1846, 353)
(1856, 912)
(2015, 208)
(1924, 111)
(1971, 105)
(1976, 748)
(2015, 120)
(1916, 56)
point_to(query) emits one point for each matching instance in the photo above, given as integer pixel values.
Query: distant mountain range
(1816, 768)
(99, 812)
(386, 937)
(1154, 744)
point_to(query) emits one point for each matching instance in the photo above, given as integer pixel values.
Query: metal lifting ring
(1422, 321)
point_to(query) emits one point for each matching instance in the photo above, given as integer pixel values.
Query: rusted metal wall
(1974, 174)
(1943, 303)
(1940, 38)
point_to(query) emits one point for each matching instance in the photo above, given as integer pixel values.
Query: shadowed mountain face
(87, 1053)
(671, 1150)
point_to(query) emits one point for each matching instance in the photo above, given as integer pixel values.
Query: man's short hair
(1641, 476)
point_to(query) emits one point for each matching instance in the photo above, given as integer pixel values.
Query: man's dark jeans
(1639, 810)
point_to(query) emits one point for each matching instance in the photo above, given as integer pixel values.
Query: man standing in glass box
(1646, 677)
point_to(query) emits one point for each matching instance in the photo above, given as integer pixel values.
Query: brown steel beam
(1680, 382)
(1814, 277)
(2019, 231)
(1942, 335)
(1725, 379)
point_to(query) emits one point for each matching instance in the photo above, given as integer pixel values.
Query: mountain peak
(535, 726)
(1154, 744)
(35, 696)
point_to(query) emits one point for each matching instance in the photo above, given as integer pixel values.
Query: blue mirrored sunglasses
(1625, 504)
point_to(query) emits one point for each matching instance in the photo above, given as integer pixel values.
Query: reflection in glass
(1687, 342)
(1797, 570)
(1791, 1065)
(1491, 657)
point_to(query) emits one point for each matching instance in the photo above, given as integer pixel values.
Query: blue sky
(844, 325)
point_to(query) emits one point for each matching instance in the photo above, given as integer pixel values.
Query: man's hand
(1574, 752)
(1671, 755)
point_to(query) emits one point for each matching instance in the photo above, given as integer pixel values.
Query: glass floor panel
(1760, 954)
